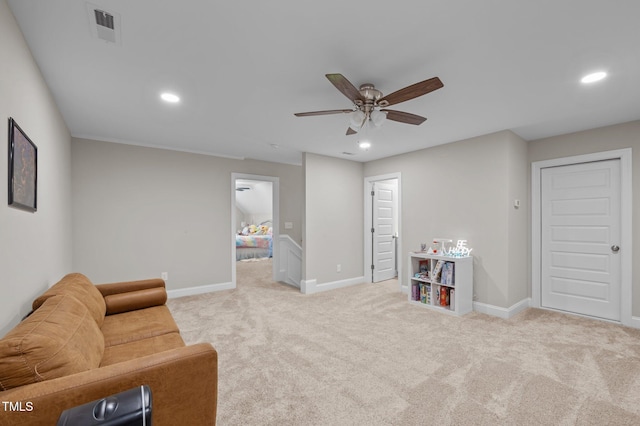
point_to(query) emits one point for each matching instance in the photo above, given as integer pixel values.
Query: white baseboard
(312, 286)
(192, 291)
(500, 312)
(306, 285)
(634, 323)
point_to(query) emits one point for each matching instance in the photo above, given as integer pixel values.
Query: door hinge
(372, 267)
(373, 193)
(373, 230)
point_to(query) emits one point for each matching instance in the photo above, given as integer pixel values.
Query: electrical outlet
(165, 276)
(339, 268)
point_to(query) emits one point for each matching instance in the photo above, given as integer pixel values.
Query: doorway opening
(254, 222)
(382, 228)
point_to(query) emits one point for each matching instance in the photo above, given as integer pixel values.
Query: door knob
(615, 248)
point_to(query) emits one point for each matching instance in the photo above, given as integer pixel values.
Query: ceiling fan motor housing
(370, 96)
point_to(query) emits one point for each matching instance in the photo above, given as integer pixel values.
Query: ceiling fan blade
(327, 112)
(403, 117)
(411, 92)
(350, 131)
(345, 86)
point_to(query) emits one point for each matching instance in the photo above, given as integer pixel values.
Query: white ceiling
(257, 200)
(243, 68)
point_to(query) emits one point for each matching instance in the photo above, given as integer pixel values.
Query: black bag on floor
(128, 408)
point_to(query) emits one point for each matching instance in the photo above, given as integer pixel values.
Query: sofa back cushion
(81, 288)
(60, 338)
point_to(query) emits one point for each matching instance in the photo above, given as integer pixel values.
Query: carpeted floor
(363, 356)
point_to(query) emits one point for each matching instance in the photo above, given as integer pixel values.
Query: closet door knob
(615, 248)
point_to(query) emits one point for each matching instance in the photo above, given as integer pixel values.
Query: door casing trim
(275, 226)
(367, 224)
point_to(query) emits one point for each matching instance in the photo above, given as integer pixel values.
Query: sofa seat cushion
(59, 339)
(82, 289)
(137, 325)
(140, 348)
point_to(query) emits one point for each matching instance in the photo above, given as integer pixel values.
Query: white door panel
(580, 234)
(580, 288)
(580, 272)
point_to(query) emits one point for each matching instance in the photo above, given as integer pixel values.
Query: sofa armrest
(183, 382)
(131, 295)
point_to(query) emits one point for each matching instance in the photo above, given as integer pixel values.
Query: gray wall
(465, 190)
(518, 231)
(333, 219)
(140, 211)
(608, 138)
(35, 248)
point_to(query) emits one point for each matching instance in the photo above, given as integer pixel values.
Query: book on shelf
(444, 297)
(447, 273)
(415, 292)
(437, 270)
(425, 293)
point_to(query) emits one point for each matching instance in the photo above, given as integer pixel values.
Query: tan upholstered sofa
(84, 342)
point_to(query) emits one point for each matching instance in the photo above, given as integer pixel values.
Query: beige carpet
(363, 356)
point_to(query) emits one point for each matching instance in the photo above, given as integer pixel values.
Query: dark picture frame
(23, 169)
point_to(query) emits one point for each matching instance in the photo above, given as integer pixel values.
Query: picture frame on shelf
(23, 169)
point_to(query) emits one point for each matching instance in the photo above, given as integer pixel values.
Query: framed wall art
(23, 169)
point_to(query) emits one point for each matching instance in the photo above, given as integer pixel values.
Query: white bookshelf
(436, 277)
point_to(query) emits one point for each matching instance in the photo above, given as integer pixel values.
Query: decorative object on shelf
(423, 246)
(23, 169)
(460, 250)
(442, 247)
(439, 246)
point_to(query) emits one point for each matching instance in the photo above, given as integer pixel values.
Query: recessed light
(364, 145)
(170, 97)
(593, 77)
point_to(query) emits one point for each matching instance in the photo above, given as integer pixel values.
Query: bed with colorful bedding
(254, 242)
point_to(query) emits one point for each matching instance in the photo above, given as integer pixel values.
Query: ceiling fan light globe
(356, 119)
(378, 117)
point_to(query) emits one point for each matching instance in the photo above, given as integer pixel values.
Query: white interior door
(580, 260)
(384, 230)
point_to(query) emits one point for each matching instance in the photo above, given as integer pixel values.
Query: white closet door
(384, 252)
(580, 268)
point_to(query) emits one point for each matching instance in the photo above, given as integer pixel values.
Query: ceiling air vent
(104, 25)
(104, 19)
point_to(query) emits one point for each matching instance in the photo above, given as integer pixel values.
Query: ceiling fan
(370, 105)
